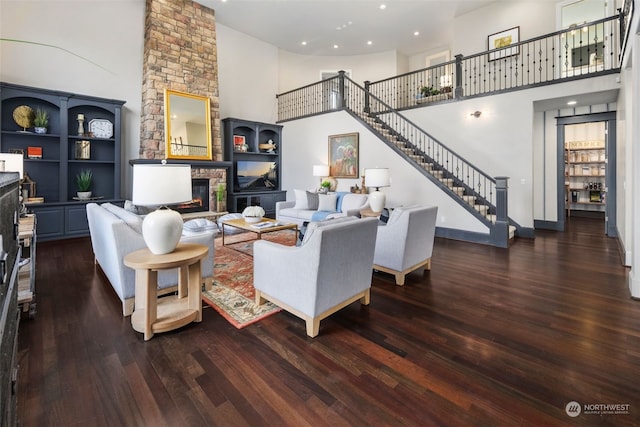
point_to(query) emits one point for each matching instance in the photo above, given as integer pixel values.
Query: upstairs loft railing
(586, 50)
(582, 51)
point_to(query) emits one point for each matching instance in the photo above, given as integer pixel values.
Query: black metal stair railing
(587, 50)
(473, 189)
(460, 178)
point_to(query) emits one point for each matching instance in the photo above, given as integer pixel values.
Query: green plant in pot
(220, 197)
(40, 121)
(325, 186)
(83, 181)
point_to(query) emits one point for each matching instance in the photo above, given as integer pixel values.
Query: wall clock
(101, 128)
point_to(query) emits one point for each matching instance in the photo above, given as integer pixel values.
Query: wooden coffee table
(270, 226)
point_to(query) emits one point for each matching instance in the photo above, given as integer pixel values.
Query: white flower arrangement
(253, 212)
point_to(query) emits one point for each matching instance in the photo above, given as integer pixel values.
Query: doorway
(587, 169)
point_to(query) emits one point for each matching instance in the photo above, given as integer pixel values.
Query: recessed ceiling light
(303, 43)
(369, 42)
(572, 102)
(335, 46)
(383, 6)
(338, 28)
(416, 33)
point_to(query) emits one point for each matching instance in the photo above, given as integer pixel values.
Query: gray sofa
(115, 232)
(309, 206)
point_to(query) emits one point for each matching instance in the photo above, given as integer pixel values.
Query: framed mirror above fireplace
(187, 126)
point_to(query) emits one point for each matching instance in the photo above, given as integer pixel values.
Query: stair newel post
(367, 84)
(500, 232)
(341, 98)
(457, 92)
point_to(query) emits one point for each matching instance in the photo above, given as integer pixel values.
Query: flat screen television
(256, 175)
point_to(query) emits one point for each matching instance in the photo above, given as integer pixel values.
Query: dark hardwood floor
(489, 337)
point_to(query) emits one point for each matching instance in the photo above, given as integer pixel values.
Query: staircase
(465, 195)
(483, 196)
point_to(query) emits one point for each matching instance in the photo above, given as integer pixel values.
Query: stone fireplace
(180, 53)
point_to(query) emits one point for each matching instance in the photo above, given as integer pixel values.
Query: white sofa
(331, 269)
(405, 242)
(310, 206)
(115, 232)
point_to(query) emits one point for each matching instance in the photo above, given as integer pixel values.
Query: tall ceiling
(348, 24)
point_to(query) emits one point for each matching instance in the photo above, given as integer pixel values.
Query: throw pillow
(327, 202)
(198, 225)
(138, 210)
(306, 200)
(313, 226)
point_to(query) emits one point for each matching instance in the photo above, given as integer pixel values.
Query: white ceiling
(287, 23)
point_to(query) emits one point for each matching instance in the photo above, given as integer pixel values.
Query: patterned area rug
(232, 294)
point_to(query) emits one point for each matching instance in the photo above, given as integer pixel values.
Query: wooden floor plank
(489, 336)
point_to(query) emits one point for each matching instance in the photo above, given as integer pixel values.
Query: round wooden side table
(152, 315)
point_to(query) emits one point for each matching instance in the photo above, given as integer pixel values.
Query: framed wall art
(498, 44)
(343, 155)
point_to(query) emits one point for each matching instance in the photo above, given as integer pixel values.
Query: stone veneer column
(180, 53)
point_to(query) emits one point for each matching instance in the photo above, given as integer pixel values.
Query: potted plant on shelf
(83, 182)
(41, 121)
(253, 214)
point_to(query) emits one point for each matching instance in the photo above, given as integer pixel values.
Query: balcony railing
(582, 51)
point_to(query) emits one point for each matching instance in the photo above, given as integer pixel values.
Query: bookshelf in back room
(52, 160)
(253, 148)
(585, 168)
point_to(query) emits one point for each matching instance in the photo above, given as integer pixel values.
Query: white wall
(300, 70)
(470, 31)
(101, 58)
(248, 76)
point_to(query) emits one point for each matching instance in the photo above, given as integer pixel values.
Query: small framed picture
(498, 44)
(16, 151)
(239, 140)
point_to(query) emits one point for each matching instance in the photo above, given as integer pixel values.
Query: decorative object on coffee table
(253, 214)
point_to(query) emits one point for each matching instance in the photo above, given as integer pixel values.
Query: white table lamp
(377, 178)
(321, 171)
(13, 163)
(161, 185)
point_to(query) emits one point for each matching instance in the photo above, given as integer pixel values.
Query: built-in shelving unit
(50, 179)
(585, 173)
(253, 148)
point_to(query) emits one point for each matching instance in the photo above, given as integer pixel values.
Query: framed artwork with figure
(343, 155)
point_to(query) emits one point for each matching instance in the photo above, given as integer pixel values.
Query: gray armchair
(405, 243)
(328, 271)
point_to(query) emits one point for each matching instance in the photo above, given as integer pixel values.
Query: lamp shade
(320, 170)
(159, 185)
(378, 177)
(13, 163)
